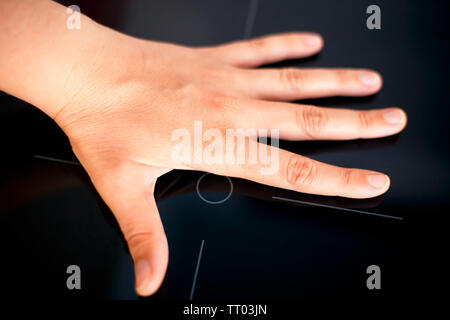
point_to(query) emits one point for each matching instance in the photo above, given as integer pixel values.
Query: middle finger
(293, 83)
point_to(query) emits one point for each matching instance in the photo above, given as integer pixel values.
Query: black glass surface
(255, 246)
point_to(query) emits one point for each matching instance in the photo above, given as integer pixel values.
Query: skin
(119, 99)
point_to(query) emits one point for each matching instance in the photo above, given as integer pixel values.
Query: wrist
(49, 65)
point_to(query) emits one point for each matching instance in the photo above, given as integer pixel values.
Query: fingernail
(369, 78)
(377, 180)
(312, 40)
(142, 271)
(393, 116)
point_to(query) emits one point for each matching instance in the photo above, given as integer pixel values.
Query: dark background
(255, 247)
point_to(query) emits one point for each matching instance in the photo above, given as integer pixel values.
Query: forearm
(47, 64)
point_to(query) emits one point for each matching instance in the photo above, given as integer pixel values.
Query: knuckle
(292, 38)
(346, 178)
(135, 235)
(292, 78)
(221, 102)
(300, 171)
(311, 120)
(287, 39)
(257, 43)
(139, 237)
(364, 120)
(342, 76)
(215, 73)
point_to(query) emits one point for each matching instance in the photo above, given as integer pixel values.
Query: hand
(121, 121)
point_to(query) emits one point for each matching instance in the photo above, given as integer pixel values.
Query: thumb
(128, 192)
